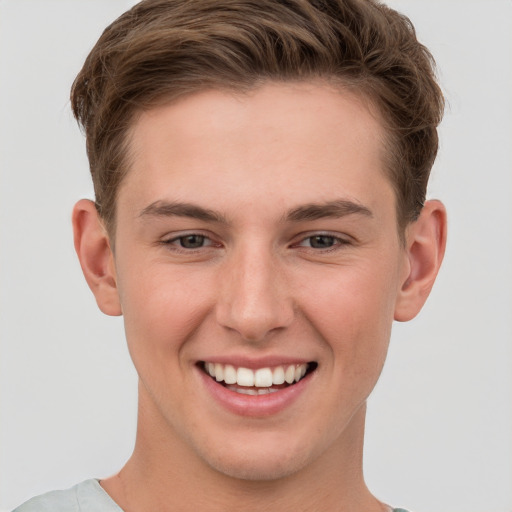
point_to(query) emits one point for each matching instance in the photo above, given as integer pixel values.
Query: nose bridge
(254, 297)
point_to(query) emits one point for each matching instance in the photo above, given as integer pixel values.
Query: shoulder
(65, 501)
(87, 496)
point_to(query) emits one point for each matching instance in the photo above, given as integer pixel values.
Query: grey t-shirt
(88, 496)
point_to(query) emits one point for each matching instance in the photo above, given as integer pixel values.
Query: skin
(259, 286)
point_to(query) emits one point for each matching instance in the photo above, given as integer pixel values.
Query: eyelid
(170, 239)
(341, 240)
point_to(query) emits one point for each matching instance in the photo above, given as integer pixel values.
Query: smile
(261, 381)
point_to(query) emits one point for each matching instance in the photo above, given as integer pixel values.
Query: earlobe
(425, 246)
(92, 246)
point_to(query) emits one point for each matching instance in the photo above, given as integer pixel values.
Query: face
(258, 264)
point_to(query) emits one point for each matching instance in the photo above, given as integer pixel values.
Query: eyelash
(179, 239)
(177, 242)
(338, 242)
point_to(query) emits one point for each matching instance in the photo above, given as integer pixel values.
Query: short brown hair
(162, 49)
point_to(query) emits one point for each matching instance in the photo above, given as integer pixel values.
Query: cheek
(161, 309)
(352, 310)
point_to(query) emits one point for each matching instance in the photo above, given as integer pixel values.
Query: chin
(253, 461)
(256, 470)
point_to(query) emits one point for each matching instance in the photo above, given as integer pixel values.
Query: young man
(260, 171)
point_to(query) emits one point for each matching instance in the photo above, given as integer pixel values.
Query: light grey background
(439, 436)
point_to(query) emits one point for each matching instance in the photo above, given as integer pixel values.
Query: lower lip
(255, 405)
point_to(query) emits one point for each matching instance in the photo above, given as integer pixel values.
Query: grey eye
(191, 241)
(322, 241)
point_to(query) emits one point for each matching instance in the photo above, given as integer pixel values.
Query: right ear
(92, 246)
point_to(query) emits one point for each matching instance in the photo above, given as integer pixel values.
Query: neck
(165, 474)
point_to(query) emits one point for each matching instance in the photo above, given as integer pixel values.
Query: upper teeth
(261, 378)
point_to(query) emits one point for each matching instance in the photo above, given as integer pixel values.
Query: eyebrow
(179, 209)
(333, 209)
(308, 212)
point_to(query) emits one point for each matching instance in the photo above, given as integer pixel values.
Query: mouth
(260, 381)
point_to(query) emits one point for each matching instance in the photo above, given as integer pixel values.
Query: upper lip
(255, 363)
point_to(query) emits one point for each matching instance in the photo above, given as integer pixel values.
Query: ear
(425, 246)
(92, 246)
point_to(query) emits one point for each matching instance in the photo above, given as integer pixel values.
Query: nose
(254, 298)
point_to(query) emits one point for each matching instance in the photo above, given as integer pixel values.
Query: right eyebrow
(334, 209)
(180, 209)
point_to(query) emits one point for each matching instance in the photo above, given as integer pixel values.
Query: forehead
(302, 138)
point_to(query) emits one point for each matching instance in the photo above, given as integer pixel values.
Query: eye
(189, 242)
(322, 241)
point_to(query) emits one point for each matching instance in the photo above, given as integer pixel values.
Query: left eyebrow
(179, 209)
(334, 209)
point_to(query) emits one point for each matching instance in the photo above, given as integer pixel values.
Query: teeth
(219, 372)
(245, 377)
(266, 391)
(244, 391)
(230, 374)
(263, 378)
(300, 371)
(289, 374)
(278, 375)
(252, 391)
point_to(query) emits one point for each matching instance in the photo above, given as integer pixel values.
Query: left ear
(425, 246)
